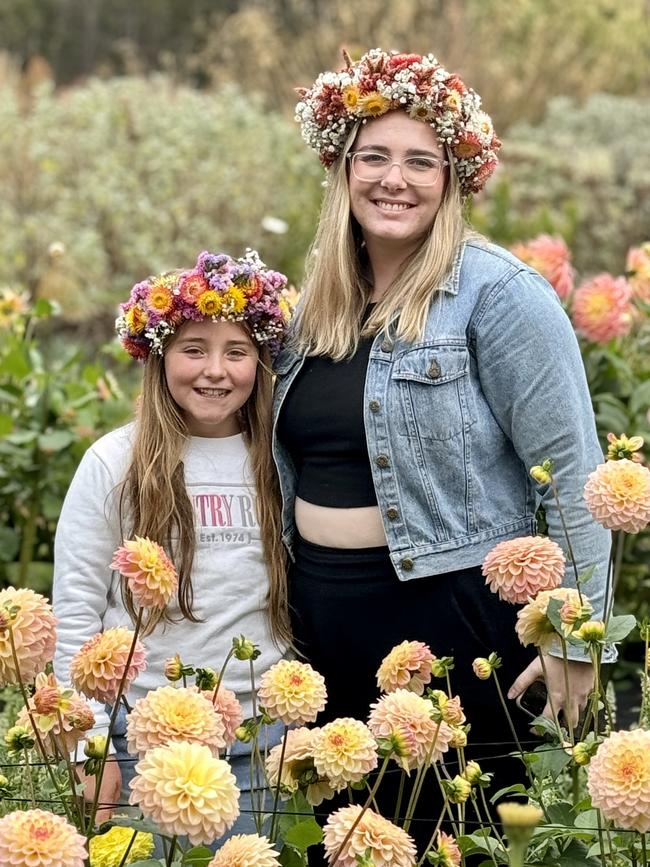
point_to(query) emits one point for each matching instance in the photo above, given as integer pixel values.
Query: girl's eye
(192, 350)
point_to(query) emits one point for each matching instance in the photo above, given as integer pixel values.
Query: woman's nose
(394, 179)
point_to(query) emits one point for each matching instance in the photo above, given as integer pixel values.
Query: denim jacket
(455, 421)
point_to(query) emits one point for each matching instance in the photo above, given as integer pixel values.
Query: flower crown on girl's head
(380, 82)
(218, 288)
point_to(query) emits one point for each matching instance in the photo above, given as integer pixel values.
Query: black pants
(349, 609)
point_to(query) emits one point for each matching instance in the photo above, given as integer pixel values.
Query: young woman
(427, 371)
(194, 473)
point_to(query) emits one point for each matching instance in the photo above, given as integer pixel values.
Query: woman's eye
(373, 159)
(422, 163)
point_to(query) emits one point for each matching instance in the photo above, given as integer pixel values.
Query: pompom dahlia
(32, 625)
(37, 838)
(533, 625)
(389, 845)
(298, 770)
(292, 691)
(552, 258)
(186, 791)
(518, 569)
(601, 308)
(170, 714)
(107, 850)
(100, 664)
(618, 495)
(407, 666)
(148, 571)
(344, 751)
(227, 706)
(618, 779)
(246, 850)
(410, 716)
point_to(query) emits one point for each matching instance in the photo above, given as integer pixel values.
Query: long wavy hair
(337, 289)
(154, 502)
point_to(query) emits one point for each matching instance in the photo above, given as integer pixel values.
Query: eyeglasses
(420, 171)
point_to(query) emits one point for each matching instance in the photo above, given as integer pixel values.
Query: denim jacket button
(407, 564)
(382, 461)
(434, 370)
(374, 405)
(392, 513)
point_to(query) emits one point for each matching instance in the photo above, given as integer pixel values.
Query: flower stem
(128, 849)
(29, 779)
(556, 494)
(567, 688)
(512, 725)
(369, 799)
(419, 781)
(172, 850)
(550, 697)
(256, 796)
(400, 795)
(276, 796)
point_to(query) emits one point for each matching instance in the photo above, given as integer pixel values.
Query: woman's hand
(581, 683)
(109, 792)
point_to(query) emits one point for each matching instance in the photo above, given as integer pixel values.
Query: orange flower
(100, 664)
(32, 624)
(618, 495)
(292, 691)
(159, 297)
(148, 571)
(407, 666)
(38, 838)
(170, 714)
(344, 752)
(618, 779)
(552, 258)
(601, 308)
(298, 770)
(246, 850)
(519, 569)
(389, 845)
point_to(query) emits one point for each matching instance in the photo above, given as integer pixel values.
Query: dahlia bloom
(344, 752)
(389, 845)
(298, 770)
(149, 573)
(618, 779)
(99, 666)
(618, 495)
(227, 706)
(170, 714)
(552, 258)
(246, 850)
(38, 838)
(407, 666)
(107, 850)
(34, 634)
(58, 713)
(533, 626)
(186, 791)
(446, 851)
(601, 308)
(516, 815)
(292, 691)
(519, 569)
(404, 711)
(637, 269)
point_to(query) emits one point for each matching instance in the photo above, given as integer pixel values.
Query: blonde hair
(336, 290)
(154, 501)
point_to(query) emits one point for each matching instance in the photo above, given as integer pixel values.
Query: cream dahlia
(37, 838)
(344, 751)
(170, 714)
(533, 626)
(518, 569)
(618, 495)
(552, 258)
(403, 711)
(100, 664)
(601, 308)
(32, 626)
(246, 850)
(149, 573)
(186, 791)
(618, 779)
(107, 850)
(298, 769)
(407, 666)
(227, 706)
(389, 845)
(292, 691)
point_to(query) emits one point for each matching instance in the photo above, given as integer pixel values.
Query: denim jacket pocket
(434, 399)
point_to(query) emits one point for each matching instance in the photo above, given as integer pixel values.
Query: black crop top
(321, 426)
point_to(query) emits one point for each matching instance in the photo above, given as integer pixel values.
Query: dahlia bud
(623, 447)
(247, 731)
(472, 772)
(574, 612)
(19, 738)
(482, 668)
(452, 711)
(81, 717)
(582, 753)
(591, 631)
(542, 472)
(458, 738)
(95, 747)
(173, 668)
(206, 678)
(245, 649)
(441, 665)
(47, 699)
(519, 820)
(457, 789)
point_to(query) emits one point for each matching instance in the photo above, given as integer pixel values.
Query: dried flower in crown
(219, 288)
(417, 84)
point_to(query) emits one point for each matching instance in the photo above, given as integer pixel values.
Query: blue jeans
(239, 757)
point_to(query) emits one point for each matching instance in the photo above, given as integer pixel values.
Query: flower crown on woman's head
(380, 82)
(219, 288)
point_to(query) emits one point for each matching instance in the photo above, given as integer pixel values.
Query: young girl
(192, 472)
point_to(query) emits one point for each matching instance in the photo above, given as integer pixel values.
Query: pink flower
(60, 715)
(618, 779)
(407, 666)
(99, 666)
(32, 624)
(638, 271)
(618, 495)
(38, 838)
(519, 569)
(149, 573)
(601, 308)
(552, 258)
(389, 845)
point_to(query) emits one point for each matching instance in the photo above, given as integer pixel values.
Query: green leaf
(6, 424)
(199, 856)
(144, 825)
(290, 857)
(553, 613)
(588, 819)
(550, 761)
(640, 398)
(585, 576)
(575, 855)
(15, 363)
(44, 308)
(306, 833)
(55, 441)
(561, 813)
(9, 544)
(515, 789)
(620, 627)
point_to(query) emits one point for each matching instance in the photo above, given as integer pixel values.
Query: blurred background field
(135, 134)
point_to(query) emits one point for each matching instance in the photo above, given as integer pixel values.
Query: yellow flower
(519, 820)
(209, 303)
(618, 779)
(293, 692)
(100, 664)
(233, 301)
(533, 625)
(618, 495)
(623, 447)
(298, 770)
(13, 305)
(36, 838)
(148, 571)
(186, 791)
(170, 714)
(389, 845)
(34, 634)
(458, 789)
(407, 666)
(350, 97)
(472, 772)
(246, 850)
(373, 104)
(135, 319)
(482, 668)
(107, 850)
(159, 297)
(344, 752)
(592, 630)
